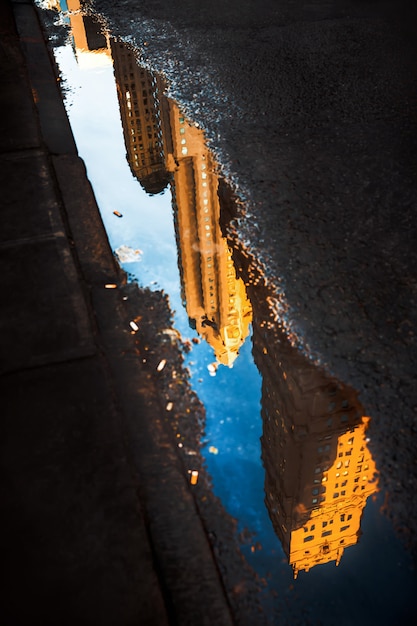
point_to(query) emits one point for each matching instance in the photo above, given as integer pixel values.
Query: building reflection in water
(140, 110)
(319, 471)
(215, 298)
(91, 44)
(163, 146)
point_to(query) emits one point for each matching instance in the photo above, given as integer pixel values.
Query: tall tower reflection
(138, 92)
(319, 471)
(162, 146)
(215, 299)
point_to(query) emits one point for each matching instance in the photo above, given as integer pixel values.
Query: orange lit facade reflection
(334, 524)
(215, 298)
(162, 146)
(91, 44)
(319, 471)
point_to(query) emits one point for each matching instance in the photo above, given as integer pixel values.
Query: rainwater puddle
(287, 447)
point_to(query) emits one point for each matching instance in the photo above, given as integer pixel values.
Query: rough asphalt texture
(311, 108)
(99, 523)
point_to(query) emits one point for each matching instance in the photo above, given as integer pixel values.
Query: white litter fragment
(126, 254)
(134, 326)
(110, 286)
(171, 332)
(212, 368)
(161, 365)
(169, 406)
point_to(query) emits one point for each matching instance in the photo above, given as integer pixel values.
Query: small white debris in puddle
(212, 368)
(171, 332)
(161, 365)
(126, 254)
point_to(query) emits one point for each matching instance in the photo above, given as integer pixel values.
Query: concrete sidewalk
(98, 522)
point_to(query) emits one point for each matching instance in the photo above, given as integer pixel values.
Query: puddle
(287, 447)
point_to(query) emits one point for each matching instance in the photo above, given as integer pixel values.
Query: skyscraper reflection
(162, 145)
(163, 148)
(215, 299)
(139, 94)
(319, 470)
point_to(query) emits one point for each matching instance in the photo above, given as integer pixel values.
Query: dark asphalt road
(311, 109)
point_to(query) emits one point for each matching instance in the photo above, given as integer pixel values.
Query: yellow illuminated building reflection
(319, 470)
(215, 298)
(341, 492)
(162, 146)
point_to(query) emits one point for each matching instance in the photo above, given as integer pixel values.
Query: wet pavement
(292, 433)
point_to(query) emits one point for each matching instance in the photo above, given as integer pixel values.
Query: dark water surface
(287, 445)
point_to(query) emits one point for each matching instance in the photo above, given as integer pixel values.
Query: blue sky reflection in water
(373, 583)
(233, 426)
(147, 221)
